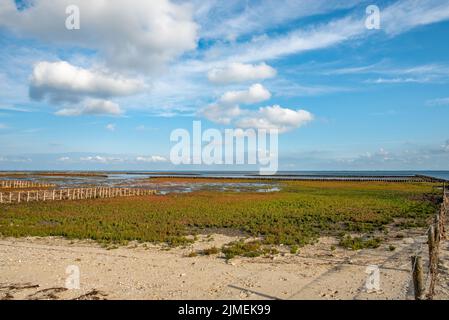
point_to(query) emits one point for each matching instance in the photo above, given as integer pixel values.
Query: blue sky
(107, 96)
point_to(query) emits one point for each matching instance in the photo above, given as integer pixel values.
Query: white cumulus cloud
(276, 117)
(63, 82)
(227, 108)
(256, 93)
(130, 35)
(240, 72)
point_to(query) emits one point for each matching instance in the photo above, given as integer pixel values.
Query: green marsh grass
(295, 216)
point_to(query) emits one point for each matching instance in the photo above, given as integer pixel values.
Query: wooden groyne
(310, 178)
(430, 179)
(23, 184)
(71, 194)
(424, 287)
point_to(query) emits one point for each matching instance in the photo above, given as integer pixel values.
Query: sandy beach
(35, 268)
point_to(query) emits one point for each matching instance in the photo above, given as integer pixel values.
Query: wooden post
(431, 239)
(418, 280)
(437, 229)
(434, 242)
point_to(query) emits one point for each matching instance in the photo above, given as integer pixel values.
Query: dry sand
(34, 268)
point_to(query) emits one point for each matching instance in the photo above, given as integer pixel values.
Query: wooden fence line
(436, 233)
(403, 179)
(18, 184)
(71, 194)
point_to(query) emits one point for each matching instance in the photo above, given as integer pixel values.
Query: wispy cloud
(240, 72)
(151, 159)
(392, 73)
(398, 80)
(92, 107)
(265, 47)
(234, 18)
(438, 102)
(110, 127)
(397, 18)
(14, 108)
(405, 15)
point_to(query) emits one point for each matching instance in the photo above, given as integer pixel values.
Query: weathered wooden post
(418, 279)
(431, 239)
(437, 229)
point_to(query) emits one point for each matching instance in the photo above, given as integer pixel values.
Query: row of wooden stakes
(435, 234)
(22, 184)
(71, 194)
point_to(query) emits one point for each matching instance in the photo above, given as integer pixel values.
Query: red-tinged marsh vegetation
(297, 215)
